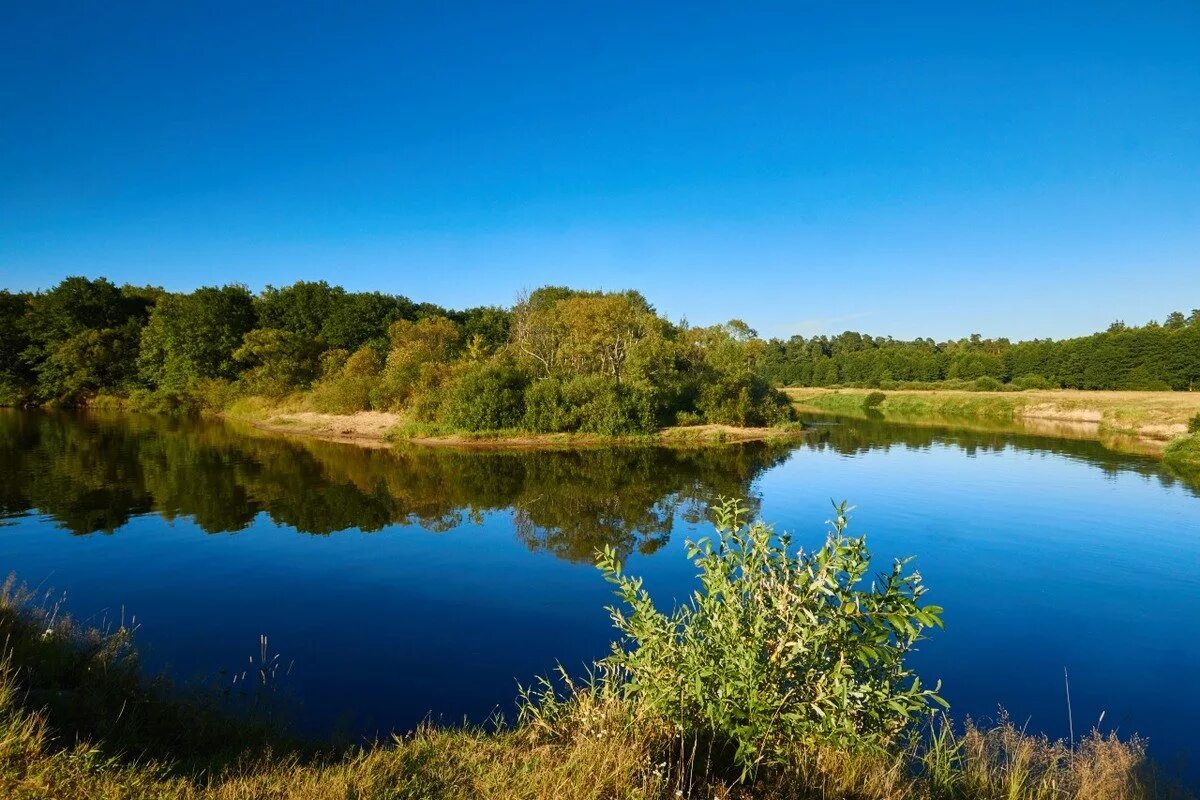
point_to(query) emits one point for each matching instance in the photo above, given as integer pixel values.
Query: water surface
(402, 585)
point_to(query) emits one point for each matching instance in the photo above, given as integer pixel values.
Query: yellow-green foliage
(1184, 452)
(348, 381)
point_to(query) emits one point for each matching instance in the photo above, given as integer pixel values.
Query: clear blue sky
(1022, 169)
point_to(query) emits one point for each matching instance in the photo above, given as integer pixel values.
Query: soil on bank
(381, 429)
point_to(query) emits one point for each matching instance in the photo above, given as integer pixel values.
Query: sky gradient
(924, 169)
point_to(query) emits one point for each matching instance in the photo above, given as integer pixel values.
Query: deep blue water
(407, 585)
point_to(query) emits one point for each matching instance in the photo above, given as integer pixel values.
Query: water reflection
(854, 435)
(1039, 563)
(92, 473)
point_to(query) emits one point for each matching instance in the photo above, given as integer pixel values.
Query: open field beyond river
(1155, 417)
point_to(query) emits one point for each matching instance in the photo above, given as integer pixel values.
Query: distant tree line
(559, 360)
(1150, 357)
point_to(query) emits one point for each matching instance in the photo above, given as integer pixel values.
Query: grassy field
(1153, 417)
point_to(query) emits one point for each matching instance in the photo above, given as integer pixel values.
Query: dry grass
(1158, 416)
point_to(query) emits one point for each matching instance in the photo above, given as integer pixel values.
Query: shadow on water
(92, 473)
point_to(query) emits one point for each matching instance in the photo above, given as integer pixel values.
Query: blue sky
(1021, 169)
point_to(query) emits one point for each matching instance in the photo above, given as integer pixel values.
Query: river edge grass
(78, 721)
(1137, 422)
(380, 429)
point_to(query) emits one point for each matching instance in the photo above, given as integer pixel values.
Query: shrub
(986, 384)
(873, 400)
(546, 408)
(348, 382)
(776, 650)
(589, 404)
(611, 409)
(488, 396)
(743, 400)
(1034, 382)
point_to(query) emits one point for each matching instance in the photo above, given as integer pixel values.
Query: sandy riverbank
(380, 429)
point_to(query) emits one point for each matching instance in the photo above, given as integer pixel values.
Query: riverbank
(77, 720)
(1151, 419)
(379, 429)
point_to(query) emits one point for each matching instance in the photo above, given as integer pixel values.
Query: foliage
(301, 308)
(1151, 356)
(1034, 381)
(194, 336)
(79, 337)
(347, 381)
(595, 362)
(1183, 454)
(275, 361)
(589, 404)
(488, 396)
(16, 376)
(873, 400)
(419, 355)
(776, 650)
(745, 400)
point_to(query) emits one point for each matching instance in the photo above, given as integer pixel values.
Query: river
(399, 586)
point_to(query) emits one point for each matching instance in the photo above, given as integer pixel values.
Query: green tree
(277, 362)
(419, 363)
(193, 336)
(16, 376)
(362, 318)
(81, 336)
(302, 308)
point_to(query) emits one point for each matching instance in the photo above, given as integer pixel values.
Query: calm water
(407, 585)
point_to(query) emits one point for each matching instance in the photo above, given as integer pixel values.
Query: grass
(77, 721)
(1184, 452)
(1158, 416)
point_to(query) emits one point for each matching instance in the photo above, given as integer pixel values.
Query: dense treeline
(559, 360)
(1154, 356)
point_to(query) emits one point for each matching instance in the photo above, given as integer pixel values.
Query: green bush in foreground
(777, 650)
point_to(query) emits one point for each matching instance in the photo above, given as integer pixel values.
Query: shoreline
(1154, 424)
(1151, 419)
(375, 429)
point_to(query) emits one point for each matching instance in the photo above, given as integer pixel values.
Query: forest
(1155, 356)
(558, 360)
